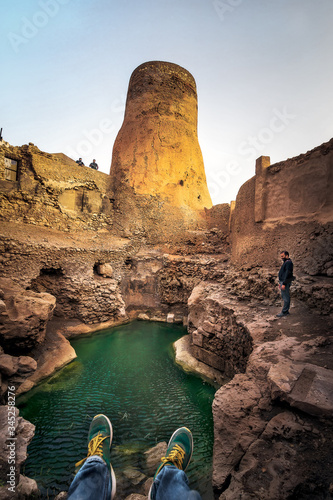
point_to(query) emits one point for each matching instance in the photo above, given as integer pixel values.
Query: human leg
(91, 482)
(95, 479)
(170, 480)
(285, 294)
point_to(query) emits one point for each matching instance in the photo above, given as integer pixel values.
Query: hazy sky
(263, 70)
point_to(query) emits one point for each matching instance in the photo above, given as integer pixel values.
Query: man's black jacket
(286, 272)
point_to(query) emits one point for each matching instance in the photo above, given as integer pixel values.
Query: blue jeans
(285, 294)
(92, 482)
(172, 484)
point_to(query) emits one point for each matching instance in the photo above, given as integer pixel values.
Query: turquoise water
(129, 374)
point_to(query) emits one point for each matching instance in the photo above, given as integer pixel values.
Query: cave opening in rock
(50, 281)
(46, 281)
(96, 269)
(128, 262)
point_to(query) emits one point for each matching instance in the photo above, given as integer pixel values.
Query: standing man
(285, 279)
(93, 165)
(80, 162)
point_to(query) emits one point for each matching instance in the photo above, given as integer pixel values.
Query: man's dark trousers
(285, 294)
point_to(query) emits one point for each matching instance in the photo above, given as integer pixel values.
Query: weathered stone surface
(134, 476)
(147, 485)
(23, 324)
(8, 365)
(305, 227)
(197, 338)
(27, 488)
(237, 422)
(24, 432)
(225, 341)
(283, 463)
(157, 151)
(304, 386)
(61, 496)
(170, 318)
(55, 353)
(105, 270)
(157, 167)
(153, 457)
(53, 191)
(185, 358)
(260, 450)
(22, 365)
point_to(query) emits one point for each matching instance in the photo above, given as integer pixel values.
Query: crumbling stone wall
(219, 217)
(219, 339)
(70, 271)
(288, 205)
(24, 316)
(53, 191)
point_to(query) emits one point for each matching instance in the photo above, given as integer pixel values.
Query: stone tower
(156, 153)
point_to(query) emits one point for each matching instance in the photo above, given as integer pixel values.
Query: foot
(99, 444)
(281, 314)
(180, 449)
(179, 453)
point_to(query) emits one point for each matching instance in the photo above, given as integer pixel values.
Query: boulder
(134, 476)
(304, 386)
(153, 457)
(23, 433)
(23, 323)
(27, 488)
(22, 365)
(61, 496)
(8, 365)
(105, 270)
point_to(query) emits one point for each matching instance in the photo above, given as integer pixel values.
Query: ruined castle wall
(289, 206)
(52, 191)
(70, 271)
(218, 217)
(301, 188)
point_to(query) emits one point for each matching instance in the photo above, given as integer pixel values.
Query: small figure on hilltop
(93, 165)
(285, 279)
(80, 162)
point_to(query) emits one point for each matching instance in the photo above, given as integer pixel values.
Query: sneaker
(180, 449)
(99, 444)
(179, 453)
(281, 314)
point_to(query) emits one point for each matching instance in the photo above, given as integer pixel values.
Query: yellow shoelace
(94, 448)
(176, 457)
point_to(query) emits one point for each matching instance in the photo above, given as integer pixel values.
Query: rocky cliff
(273, 420)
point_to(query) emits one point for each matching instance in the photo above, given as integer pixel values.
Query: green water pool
(129, 374)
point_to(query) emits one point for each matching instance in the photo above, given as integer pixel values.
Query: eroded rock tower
(156, 153)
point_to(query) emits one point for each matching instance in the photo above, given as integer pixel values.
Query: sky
(263, 70)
